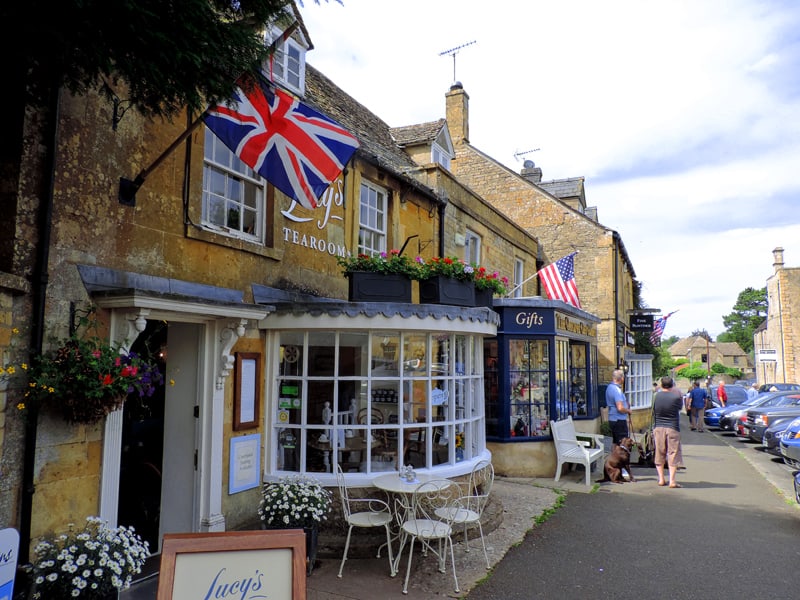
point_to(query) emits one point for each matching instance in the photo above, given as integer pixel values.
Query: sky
(682, 116)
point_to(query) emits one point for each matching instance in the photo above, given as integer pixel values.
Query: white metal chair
(468, 509)
(422, 524)
(364, 512)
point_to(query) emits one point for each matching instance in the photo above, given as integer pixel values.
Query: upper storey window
(288, 64)
(372, 219)
(442, 149)
(233, 194)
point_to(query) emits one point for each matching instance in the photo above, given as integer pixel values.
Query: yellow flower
(51, 390)
(21, 406)
(15, 331)
(24, 366)
(172, 382)
(11, 370)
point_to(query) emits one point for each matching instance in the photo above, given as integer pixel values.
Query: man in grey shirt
(666, 432)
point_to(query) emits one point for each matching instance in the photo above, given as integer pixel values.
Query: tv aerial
(517, 154)
(452, 52)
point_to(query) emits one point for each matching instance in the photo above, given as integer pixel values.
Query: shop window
(372, 219)
(529, 381)
(373, 401)
(563, 405)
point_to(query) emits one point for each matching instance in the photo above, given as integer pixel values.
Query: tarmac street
(731, 531)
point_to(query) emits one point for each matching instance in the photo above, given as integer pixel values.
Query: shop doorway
(159, 437)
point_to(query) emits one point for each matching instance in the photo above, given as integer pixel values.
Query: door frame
(222, 327)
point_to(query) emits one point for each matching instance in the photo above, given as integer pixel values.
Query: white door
(179, 489)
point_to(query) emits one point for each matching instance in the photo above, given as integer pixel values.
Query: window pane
(321, 353)
(353, 354)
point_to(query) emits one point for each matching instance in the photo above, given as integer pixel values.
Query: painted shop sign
(9, 548)
(545, 321)
(236, 565)
(332, 202)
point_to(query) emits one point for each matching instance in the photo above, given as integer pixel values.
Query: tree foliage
(748, 313)
(170, 54)
(703, 334)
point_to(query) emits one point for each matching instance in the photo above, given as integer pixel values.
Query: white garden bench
(570, 449)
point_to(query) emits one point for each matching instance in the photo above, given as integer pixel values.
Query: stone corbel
(135, 323)
(228, 338)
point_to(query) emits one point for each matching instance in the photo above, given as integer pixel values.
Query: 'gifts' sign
(236, 565)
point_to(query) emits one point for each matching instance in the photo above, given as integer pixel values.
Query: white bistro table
(404, 490)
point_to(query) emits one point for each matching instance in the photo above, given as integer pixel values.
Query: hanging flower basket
(86, 377)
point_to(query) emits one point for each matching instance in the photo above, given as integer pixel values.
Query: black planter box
(446, 290)
(484, 298)
(367, 286)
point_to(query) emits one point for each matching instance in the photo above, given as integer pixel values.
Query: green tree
(169, 54)
(748, 313)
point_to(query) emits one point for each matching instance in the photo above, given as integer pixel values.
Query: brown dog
(619, 459)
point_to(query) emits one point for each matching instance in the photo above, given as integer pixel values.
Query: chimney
(457, 115)
(531, 172)
(591, 212)
(777, 254)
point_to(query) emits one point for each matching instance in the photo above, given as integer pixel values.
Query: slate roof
(564, 188)
(377, 145)
(422, 133)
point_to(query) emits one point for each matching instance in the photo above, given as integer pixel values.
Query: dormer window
(442, 149)
(287, 66)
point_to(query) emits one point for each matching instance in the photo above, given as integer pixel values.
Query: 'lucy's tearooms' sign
(9, 549)
(235, 565)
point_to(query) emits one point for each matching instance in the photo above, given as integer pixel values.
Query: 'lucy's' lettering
(241, 588)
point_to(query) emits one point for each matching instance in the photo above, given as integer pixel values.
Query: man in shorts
(666, 432)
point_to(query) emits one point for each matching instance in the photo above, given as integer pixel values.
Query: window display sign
(245, 467)
(237, 564)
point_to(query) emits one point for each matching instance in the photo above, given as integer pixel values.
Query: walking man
(697, 405)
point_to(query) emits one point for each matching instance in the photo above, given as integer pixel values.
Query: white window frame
(372, 218)
(440, 156)
(458, 376)
(220, 163)
(472, 248)
(287, 65)
(519, 277)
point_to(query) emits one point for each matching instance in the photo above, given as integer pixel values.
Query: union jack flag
(297, 149)
(658, 328)
(558, 279)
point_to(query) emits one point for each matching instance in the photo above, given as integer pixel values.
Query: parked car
(797, 486)
(758, 419)
(778, 387)
(736, 394)
(727, 417)
(790, 445)
(772, 437)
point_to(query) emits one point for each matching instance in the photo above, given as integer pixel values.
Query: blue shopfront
(542, 366)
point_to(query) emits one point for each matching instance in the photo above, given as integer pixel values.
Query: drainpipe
(616, 298)
(40, 281)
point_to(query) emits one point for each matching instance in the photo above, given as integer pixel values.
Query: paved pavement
(735, 511)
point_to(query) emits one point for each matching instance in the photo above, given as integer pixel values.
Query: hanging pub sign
(642, 323)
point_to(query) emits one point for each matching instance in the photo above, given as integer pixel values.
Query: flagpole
(128, 187)
(516, 287)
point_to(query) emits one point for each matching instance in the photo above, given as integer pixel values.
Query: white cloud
(681, 115)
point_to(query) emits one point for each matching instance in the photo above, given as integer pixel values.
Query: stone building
(697, 349)
(244, 307)
(777, 342)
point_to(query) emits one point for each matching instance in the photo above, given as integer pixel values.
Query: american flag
(558, 279)
(297, 149)
(658, 328)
